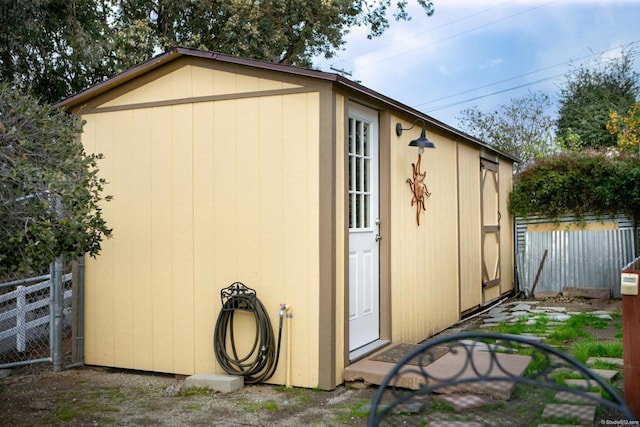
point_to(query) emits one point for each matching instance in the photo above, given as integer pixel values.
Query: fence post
(56, 314)
(78, 312)
(21, 321)
(630, 345)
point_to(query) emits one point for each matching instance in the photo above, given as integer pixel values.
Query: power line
(431, 110)
(461, 33)
(430, 30)
(520, 76)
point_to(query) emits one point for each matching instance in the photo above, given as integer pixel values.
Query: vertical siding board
(206, 297)
(162, 240)
(301, 241)
(267, 192)
(225, 191)
(141, 280)
(182, 236)
(122, 257)
(99, 316)
(470, 227)
(247, 176)
(312, 133)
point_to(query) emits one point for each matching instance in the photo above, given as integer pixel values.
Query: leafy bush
(579, 183)
(49, 187)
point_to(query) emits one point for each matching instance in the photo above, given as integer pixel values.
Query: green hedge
(579, 183)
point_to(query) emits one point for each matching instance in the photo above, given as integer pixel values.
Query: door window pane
(359, 174)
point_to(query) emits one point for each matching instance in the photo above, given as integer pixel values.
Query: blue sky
(483, 53)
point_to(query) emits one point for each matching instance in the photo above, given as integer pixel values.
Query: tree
(626, 128)
(522, 128)
(55, 48)
(589, 95)
(283, 31)
(49, 188)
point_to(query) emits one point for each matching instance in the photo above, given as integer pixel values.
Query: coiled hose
(261, 362)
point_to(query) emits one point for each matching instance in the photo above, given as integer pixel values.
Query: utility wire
(430, 30)
(460, 33)
(520, 76)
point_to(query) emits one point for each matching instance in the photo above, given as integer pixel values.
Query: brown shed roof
(178, 52)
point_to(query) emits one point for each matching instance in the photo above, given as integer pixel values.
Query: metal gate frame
(65, 309)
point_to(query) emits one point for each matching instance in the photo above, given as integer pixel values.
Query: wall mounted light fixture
(416, 183)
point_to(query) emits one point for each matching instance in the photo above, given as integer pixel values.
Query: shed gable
(191, 81)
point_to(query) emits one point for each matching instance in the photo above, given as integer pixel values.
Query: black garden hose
(261, 362)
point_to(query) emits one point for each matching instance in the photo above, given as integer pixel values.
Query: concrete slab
(607, 374)
(558, 317)
(497, 319)
(586, 414)
(496, 311)
(460, 402)
(448, 367)
(553, 309)
(445, 423)
(521, 307)
(559, 425)
(598, 312)
(604, 316)
(458, 366)
(565, 396)
(612, 360)
(520, 313)
(217, 382)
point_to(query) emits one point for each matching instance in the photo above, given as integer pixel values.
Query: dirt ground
(35, 396)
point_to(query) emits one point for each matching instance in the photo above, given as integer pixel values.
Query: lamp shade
(422, 142)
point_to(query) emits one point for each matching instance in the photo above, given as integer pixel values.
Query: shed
(293, 182)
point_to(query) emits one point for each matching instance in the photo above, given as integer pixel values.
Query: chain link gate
(41, 317)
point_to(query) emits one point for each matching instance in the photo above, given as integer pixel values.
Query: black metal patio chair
(485, 363)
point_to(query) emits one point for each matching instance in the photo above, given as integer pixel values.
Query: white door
(364, 295)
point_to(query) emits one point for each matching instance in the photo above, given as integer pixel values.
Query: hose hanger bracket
(246, 300)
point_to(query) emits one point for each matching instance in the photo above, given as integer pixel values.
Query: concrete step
(607, 374)
(559, 425)
(444, 423)
(586, 414)
(568, 397)
(460, 402)
(217, 382)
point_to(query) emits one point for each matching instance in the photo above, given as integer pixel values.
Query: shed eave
(340, 81)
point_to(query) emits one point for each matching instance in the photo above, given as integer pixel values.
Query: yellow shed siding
(202, 201)
(507, 252)
(470, 227)
(189, 81)
(425, 268)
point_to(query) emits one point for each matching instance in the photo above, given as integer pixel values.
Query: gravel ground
(35, 396)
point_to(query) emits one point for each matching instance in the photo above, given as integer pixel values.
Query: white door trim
(364, 252)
